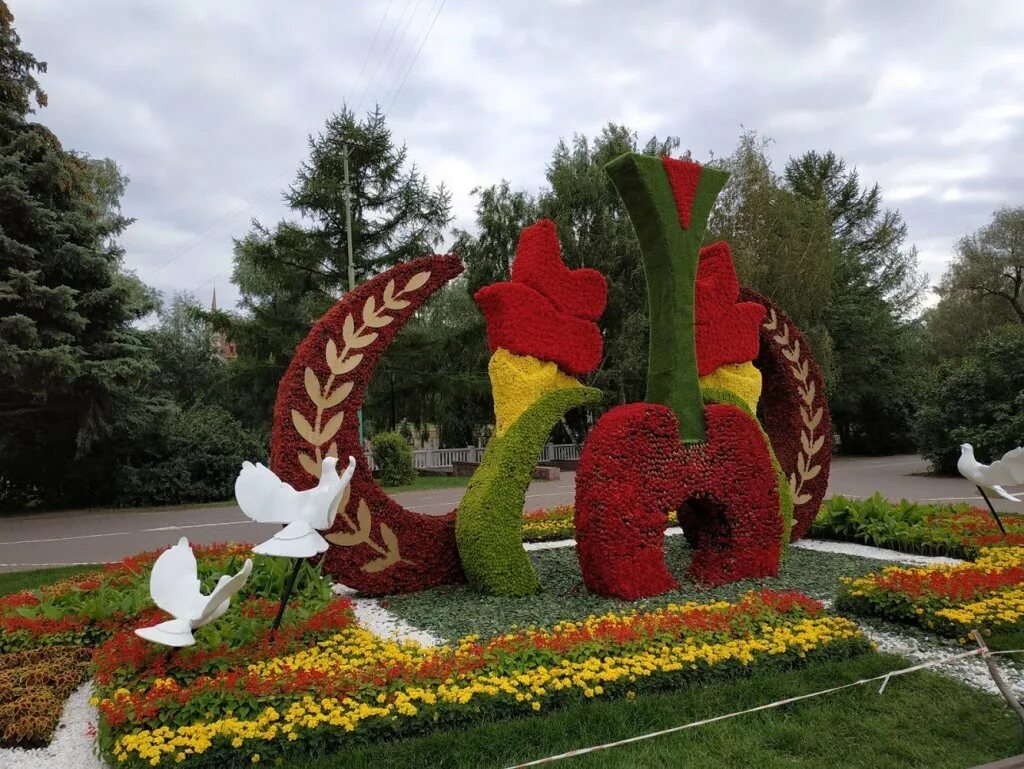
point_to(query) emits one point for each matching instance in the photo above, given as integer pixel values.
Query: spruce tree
(69, 359)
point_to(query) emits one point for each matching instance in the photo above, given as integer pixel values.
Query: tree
(183, 349)
(782, 243)
(70, 362)
(289, 275)
(978, 400)
(876, 289)
(501, 214)
(989, 264)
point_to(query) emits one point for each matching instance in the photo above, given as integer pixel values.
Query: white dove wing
(174, 583)
(263, 496)
(338, 498)
(1009, 470)
(226, 589)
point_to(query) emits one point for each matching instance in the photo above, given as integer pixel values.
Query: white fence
(440, 459)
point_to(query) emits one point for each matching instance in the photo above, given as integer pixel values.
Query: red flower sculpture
(726, 331)
(546, 310)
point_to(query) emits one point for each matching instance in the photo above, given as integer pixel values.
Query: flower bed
(354, 686)
(89, 609)
(548, 524)
(959, 531)
(33, 687)
(987, 594)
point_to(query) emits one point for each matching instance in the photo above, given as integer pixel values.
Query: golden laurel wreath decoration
(810, 445)
(326, 396)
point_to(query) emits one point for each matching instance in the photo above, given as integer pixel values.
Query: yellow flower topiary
(741, 379)
(518, 381)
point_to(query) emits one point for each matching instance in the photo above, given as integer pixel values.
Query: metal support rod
(992, 510)
(289, 586)
(1001, 685)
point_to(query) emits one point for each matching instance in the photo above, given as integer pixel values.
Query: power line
(373, 45)
(415, 58)
(397, 48)
(387, 47)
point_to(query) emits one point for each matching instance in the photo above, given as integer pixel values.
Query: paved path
(34, 541)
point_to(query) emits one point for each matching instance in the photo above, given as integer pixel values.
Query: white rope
(884, 678)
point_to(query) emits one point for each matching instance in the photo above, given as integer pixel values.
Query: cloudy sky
(207, 105)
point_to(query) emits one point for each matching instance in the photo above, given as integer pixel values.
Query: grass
(428, 482)
(451, 612)
(923, 721)
(16, 581)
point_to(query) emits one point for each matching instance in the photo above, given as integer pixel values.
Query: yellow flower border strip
(491, 689)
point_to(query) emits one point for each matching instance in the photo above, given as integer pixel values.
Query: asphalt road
(97, 536)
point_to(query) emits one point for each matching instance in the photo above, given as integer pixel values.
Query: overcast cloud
(207, 105)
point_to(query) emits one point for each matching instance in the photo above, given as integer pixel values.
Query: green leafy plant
(392, 457)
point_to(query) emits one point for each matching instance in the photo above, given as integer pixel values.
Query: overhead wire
(415, 58)
(387, 47)
(267, 190)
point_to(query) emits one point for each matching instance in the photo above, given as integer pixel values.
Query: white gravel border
(867, 551)
(378, 620)
(73, 745)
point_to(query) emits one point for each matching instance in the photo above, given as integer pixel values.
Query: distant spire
(213, 304)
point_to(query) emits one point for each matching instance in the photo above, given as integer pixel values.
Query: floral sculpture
(541, 330)
(697, 449)
(379, 546)
(734, 433)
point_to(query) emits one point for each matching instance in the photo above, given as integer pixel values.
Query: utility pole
(346, 150)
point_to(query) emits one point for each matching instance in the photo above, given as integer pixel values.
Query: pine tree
(69, 359)
(289, 275)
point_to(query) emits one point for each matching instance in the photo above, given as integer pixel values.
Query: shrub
(196, 460)
(392, 457)
(979, 400)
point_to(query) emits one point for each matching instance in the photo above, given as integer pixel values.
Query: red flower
(547, 310)
(634, 469)
(725, 331)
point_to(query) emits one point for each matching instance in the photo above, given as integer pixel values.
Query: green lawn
(428, 482)
(922, 721)
(15, 581)
(451, 612)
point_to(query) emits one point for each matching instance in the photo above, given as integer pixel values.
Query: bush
(392, 457)
(196, 459)
(979, 400)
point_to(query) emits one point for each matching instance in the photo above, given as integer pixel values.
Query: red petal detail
(683, 177)
(724, 331)
(539, 265)
(717, 285)
(525, 322)
(732, 338)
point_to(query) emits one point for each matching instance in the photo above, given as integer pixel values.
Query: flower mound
(634, 469)
(987, 594)
(354, 686)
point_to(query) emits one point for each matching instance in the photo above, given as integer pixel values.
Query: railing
(438, 459)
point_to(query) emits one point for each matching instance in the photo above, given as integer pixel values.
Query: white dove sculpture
(1007, 471)
(175, 588)
(267, 499)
